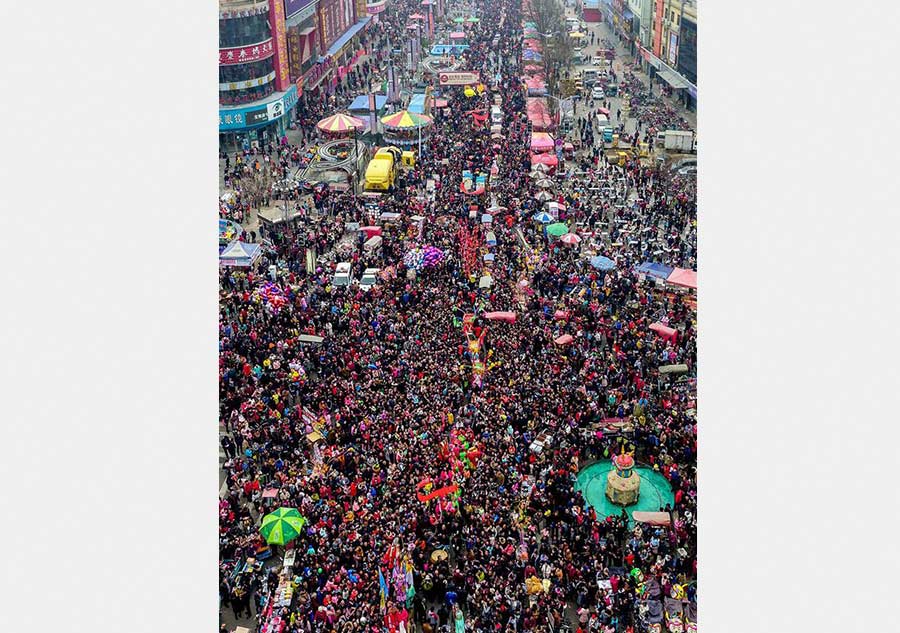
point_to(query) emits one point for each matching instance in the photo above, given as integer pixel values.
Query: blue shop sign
(258, 113)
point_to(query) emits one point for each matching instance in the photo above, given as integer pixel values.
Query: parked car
(369, 279)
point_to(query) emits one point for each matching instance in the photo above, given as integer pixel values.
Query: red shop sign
(245, 54)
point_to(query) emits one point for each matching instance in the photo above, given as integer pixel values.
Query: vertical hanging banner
(279, 34)
(430, 21)
(373, 124)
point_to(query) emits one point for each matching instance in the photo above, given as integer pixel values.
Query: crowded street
(420, 381)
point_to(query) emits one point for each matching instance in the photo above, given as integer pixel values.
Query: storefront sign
(237, 118)
(250, 83)
(458, 79)
(279, 33)
(374, 8)
(246, 54)
(294, 51)
(672, 53)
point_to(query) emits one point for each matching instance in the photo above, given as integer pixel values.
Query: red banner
(279, 33)
(245, 54)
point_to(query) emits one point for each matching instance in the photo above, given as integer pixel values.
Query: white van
(496, 115)
(342, 274)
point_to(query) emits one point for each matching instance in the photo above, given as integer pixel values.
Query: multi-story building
(672, 53)
(256, 95)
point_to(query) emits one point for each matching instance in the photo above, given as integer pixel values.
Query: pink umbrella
(565, 339)
(561, 314)
(417, 16)
(570, 238)
(506, 317)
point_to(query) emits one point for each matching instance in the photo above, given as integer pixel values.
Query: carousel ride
(619, 484)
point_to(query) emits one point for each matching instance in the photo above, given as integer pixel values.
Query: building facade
(256, 96)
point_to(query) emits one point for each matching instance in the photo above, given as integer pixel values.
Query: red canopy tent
(683, 277)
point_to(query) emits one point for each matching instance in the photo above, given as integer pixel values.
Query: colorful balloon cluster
(271, 295)
(427, 257)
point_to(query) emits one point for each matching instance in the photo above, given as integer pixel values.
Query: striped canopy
(282, 526)
(405, 120)
(340, 123)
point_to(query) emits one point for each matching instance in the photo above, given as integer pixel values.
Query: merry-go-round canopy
(405, 120)
(340, 123)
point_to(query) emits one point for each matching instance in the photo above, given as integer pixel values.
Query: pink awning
(683, 277)
(506, 317)
(664, 331)
(541, 142)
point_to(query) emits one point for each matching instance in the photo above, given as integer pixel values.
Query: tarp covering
(664, 331)
(652, 518)
(545, 159)
(536, 86)
(673, 369)
(538, 113)
(655, 270)
(361, 103)
(683, 277)
(240, 254)
(505, 316)
(541, 142)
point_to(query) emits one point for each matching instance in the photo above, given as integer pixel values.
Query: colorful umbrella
(340, 123)
(417, 16)
(404, 120)
(557, 229)
(543, 217)
(282, 526)
(543, 196)
(570, 238)
(544, 183)
(458, 20)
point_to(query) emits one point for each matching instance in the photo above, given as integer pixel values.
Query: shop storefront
(302, 39)
(256, 124)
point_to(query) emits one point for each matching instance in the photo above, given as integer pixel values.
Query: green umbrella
(557, 229)
(282, 526)
(459, 20)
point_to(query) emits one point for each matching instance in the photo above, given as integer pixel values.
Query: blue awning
(655, 270)
(361, 103)
(343, 39)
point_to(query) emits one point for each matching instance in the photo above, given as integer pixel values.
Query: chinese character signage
(279, 34)
(246, 54)
(238, 118)
(458, 79)
(294, 51)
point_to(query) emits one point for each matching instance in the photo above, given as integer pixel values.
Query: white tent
(240, 254)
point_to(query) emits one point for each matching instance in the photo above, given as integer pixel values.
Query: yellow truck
(381, 173)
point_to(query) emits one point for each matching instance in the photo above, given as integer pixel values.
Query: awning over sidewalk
(673, 79)
(343, 39)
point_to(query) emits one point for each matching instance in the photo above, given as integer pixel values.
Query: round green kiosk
(604, 478)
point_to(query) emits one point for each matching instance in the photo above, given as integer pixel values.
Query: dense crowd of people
(390, 388)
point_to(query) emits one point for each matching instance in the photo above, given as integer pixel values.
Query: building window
(243, 31)
(246, 95)
(245, 72)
